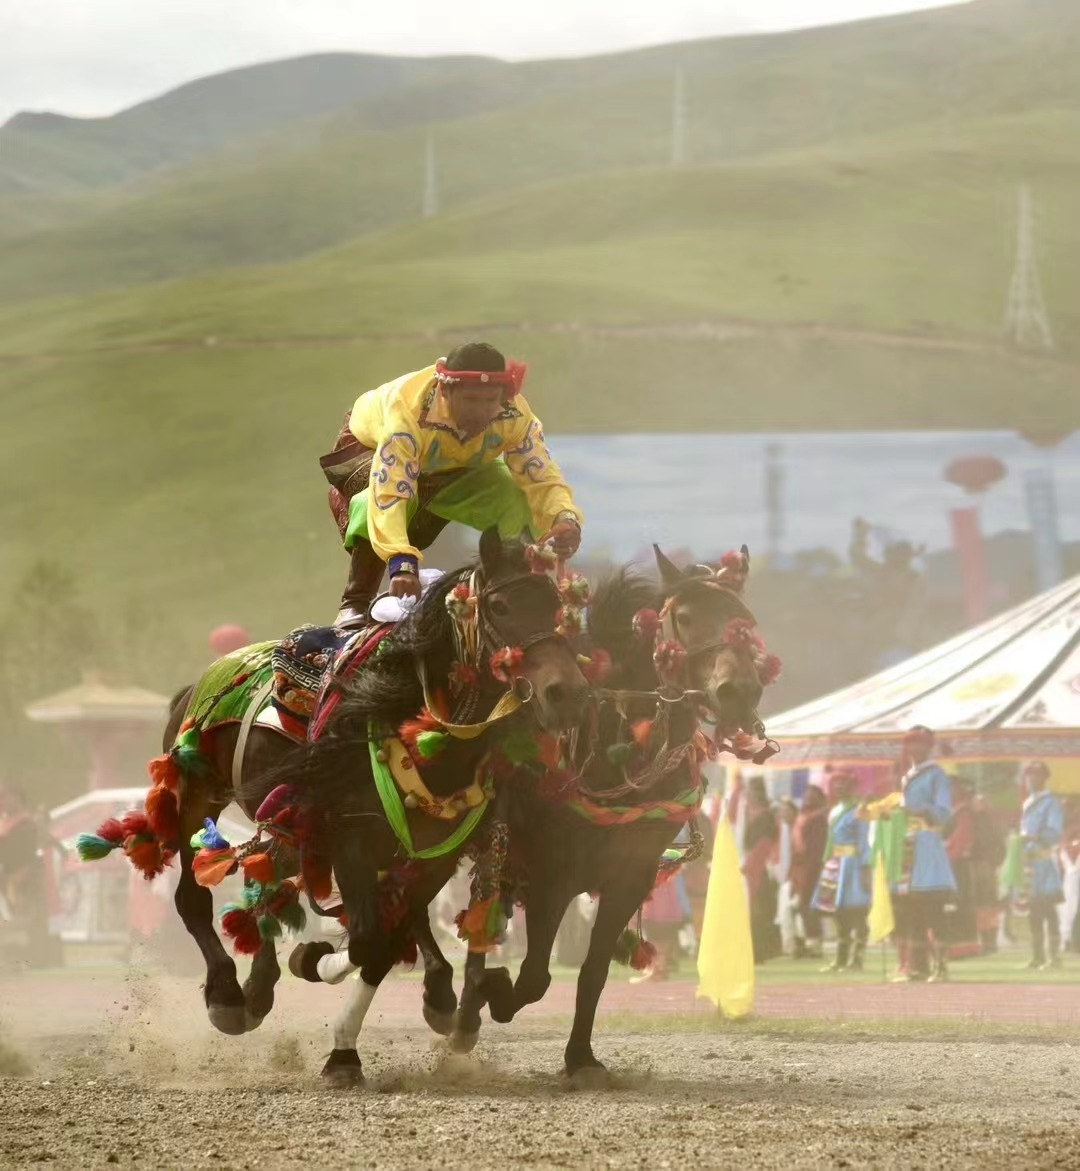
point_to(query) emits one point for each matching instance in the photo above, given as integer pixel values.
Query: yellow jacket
(407, 424)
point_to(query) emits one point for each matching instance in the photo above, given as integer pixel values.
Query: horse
(514, 607)
(598, 840)
(565, 853)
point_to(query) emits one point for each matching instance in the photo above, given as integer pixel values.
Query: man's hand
(405, 585)
(566, 535)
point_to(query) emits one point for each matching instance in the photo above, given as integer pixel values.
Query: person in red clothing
(809, 835)
(961, 923)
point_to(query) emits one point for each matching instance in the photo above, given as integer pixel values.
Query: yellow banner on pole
(726, 955)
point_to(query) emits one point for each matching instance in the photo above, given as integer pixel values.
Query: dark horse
(516, 608)
(573, 847)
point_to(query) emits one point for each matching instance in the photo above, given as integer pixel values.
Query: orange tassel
(259, 868)
(642, 732)
(163, 772)
(211, 866)
(163, 814)
(145, 856)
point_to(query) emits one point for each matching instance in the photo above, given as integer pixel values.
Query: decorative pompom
(574, 590)
(317, 871)
(112, 830)
(259, 868)
(241, 926)
(293, 916)
(769, 670)
(463, 676)
(274, 802)
(92, 847)
(541, 558)
(163, 771)
(460, 603)
(146, 855)
(426, 721)
(430, 744)
(742, 634)
(569, 622)
(595, 667)
(136, 824)
(669, 658)
(269, 927)
(644, 956)
(209, 837)
(519, 746)
(619, 755)
(642, 731)
(505, 662)
(210, 867)
(163, 814)
(646, 625)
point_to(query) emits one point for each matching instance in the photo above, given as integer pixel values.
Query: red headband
(512, 377)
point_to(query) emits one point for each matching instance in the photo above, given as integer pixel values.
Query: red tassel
(597, 666)
(146, 856)
(505, 662)
(259, 868)
(136, 824)
(318, 874)
(242, 928)
(424, 722)
(163, 814)
(112, 830)
(644, 956)
(163, 771)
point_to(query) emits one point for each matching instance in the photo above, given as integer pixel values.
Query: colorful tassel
(505, 662)
(642, 731)
(209, 837)
(210, 867)
(241, 926)
(259, 868)
(146, 855)
(519, 746)
(646, 624)
(92, 848)
(596, 667)
(769, 670)
(269, 927)
(163, 814)
(163, 772)
(430, 744)
(633, 951)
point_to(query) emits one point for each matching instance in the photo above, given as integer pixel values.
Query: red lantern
(975, 473)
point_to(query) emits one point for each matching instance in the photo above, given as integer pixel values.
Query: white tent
(1006, 690)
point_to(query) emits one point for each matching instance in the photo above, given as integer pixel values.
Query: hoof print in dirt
(343, 1070)
(593, 1076)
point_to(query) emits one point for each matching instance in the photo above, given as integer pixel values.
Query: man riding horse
(454, 441)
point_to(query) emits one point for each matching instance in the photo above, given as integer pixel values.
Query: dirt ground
(101, 1070)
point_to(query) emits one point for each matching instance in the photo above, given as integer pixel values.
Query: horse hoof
(228, 1018)
(497, 989)
(343, 1070)
(252, 1022)
(463, 1042)
(304, 960)
(590, 1077)
(439, 1022)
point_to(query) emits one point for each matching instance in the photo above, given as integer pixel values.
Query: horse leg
(544, 911)
(358, 880)
(259, 986)
(615, 911)
(224, 998)
(466, 1031)
(440, 1002)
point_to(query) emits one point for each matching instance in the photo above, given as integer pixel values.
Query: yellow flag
(726, 955)
(880, 921)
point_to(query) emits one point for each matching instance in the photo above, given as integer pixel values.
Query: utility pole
(1026, 321)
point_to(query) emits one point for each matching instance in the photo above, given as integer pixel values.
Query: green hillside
(499, 128)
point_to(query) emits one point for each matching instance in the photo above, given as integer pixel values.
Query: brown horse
(566, 851)
(516, 608)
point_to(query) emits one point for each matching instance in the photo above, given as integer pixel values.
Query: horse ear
(491, 551)
(745, 551)
(670, 574)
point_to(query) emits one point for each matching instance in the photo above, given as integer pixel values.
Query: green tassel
(627, 944)
(269, 926)
(430, 744)
(187, 753)
(620, 754)
(91, 848)
(293, 916)
(253, 894)
(519, 747)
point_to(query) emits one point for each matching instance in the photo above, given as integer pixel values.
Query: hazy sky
(96, 56)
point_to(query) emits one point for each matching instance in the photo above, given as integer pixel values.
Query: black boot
(843, 949)
(366, 571)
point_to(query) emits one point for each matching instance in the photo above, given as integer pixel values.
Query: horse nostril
(555, 693)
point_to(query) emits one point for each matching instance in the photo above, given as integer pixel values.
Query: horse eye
(499, 607)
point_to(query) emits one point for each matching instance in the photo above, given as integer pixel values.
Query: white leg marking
(349, 1020)
(334, 968)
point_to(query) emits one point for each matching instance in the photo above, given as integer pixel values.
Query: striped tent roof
(1007, 689)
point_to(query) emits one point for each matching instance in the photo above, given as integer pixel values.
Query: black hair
(475, 356)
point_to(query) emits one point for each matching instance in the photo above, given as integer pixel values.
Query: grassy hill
(317, 183)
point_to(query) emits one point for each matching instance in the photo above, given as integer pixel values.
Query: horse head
(715, 636)
(517, 611)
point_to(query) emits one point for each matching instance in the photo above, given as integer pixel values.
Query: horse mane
(612, 607)
(387, 691)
